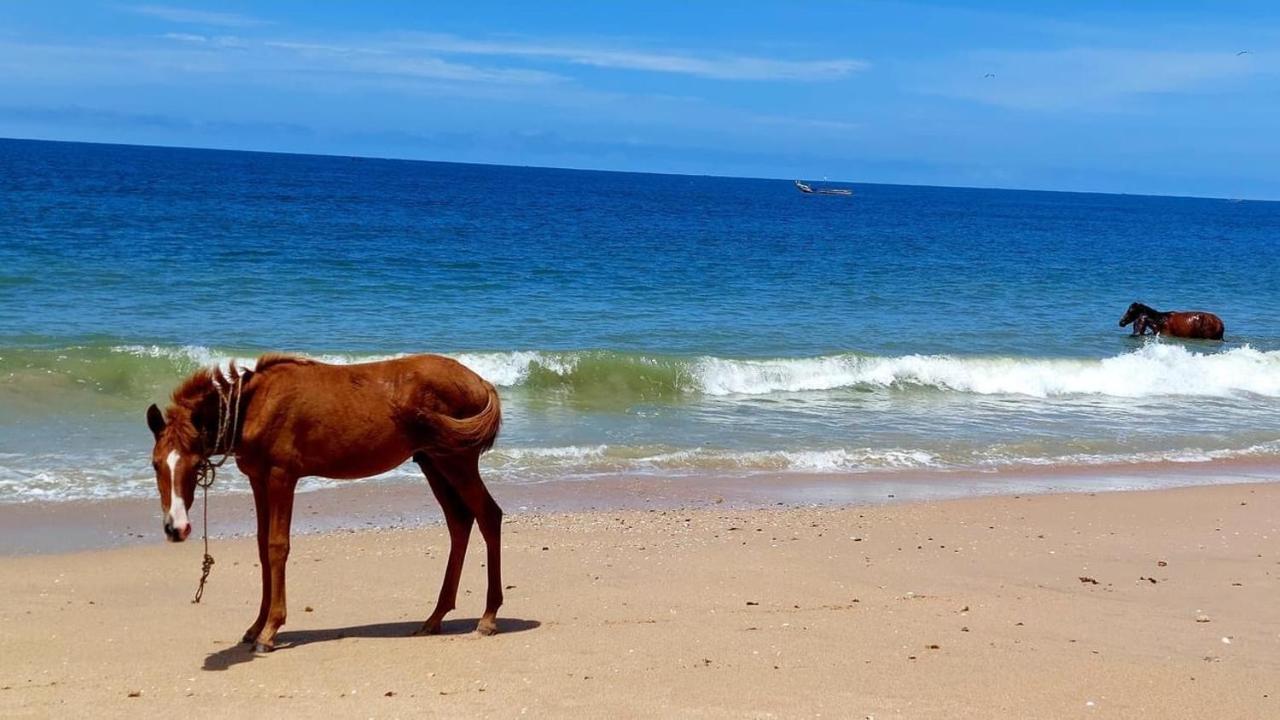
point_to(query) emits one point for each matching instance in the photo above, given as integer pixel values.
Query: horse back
(1195, 324)
(359, 419)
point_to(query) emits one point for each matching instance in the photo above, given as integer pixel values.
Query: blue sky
(1148, 98)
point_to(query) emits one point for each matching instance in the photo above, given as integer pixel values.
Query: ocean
(634, 324)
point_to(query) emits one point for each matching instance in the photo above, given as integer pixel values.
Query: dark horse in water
(1195, 324)
(290, 418)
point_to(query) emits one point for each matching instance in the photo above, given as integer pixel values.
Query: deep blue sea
(635, 324)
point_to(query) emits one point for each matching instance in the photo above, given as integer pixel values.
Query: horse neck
(1151, 312)
(1156, 322)
(221, 404)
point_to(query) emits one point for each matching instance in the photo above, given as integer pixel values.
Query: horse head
(186, 434)
(1134, 311)
(175, 466)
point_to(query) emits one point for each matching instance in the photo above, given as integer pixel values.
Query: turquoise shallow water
(635, 323)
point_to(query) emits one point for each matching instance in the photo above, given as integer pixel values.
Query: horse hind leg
(459, 520)
(463, 473)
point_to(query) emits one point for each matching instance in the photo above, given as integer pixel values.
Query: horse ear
(155, 420)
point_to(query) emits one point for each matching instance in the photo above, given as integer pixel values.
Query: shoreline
(1108, 605)
(36, 528)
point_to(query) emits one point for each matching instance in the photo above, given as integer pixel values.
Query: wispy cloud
(215, 41)
(1084, 78)
(186, 37)
(79, 115)
(808, 123)
(188, 16)
(437, 56)
(715, 67)
(181, 57)
(377, 60)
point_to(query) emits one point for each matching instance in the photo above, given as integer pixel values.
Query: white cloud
(716, 67)
(188, 16)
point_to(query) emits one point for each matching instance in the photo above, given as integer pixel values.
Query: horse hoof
(428, 628)
(487, 626)
(259, 647)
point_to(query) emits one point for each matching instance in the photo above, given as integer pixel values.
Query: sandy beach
(785, 360)
(1123, 604)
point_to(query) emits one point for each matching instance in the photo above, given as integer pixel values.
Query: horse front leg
(280, 490)
(261, 510)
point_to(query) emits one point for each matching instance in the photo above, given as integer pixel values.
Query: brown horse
(289, 418)
(1195, 324)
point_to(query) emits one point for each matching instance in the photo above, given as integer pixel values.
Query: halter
(207, 470)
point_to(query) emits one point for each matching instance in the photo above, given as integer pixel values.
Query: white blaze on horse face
(177, 508)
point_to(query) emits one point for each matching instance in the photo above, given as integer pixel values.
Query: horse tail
(448, 435)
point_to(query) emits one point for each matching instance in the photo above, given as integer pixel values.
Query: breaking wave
(1154, 370)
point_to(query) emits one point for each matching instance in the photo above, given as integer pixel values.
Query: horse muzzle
(176, 534)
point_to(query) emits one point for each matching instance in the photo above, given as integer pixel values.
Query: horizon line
(628, 172)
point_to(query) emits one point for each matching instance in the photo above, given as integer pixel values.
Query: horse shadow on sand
(290, 639)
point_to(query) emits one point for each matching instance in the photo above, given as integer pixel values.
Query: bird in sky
(1243, 52)
(989, 75)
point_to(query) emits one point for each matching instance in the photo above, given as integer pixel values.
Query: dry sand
(1146, 604)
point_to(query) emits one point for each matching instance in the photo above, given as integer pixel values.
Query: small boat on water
(810, 190)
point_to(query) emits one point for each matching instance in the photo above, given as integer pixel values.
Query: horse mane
(206, 381)
(199, 395)
(1145, 309)
(270, 360)
(195, 405)
(185, 402)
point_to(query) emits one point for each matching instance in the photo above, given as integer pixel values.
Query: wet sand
(1134, 604)
(400, 502)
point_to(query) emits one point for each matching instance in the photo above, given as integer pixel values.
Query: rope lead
(207, 470)
(207, 566)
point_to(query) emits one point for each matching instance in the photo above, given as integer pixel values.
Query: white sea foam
(507, 369)
(500, 368)
(820, 461)
(1156, 369)
(547, 455)
(1179, 456)
(53, 478)
(187, 357)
